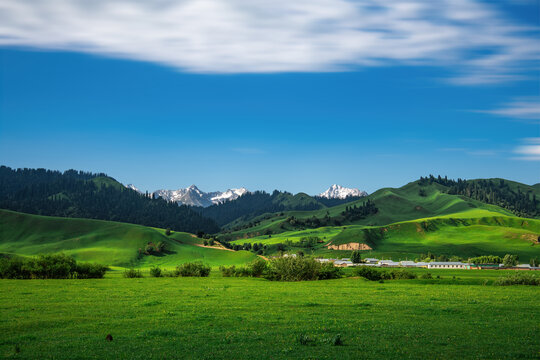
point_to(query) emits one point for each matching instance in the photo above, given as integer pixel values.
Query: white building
(343, 263)
(371, 261)
(448, 265)
(407, 263)
(390, 263)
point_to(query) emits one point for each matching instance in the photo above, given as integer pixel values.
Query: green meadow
(470, 233)
(459, 316)
(106, 242)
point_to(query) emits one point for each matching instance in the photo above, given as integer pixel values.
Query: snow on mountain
(195, 197)
(231, 194)
(133, 187)
(340, 192)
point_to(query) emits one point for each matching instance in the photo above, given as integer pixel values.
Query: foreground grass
(236, 318)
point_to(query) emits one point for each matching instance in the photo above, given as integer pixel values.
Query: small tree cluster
(57, 266)
(372, 274)
(154, 249)
(300, 268)
(197, 269)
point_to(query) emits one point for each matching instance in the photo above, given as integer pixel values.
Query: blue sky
(309, 101)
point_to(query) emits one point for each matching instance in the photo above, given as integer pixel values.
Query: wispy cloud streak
(526, 108)
(530, 150)
(236, 36)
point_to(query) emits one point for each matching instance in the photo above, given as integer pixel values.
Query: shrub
(58, 266)
(298, 269)
(426, 276)
(376, 275)
(90, 271)
(518, 279)
(510, 260)
(228, 271)
(329, 271)
(193, 269)
(368, 273)
(132, 273)
(155, 271)
(401, 274)
(258, 267)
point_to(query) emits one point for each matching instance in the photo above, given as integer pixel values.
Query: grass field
(105, 242)
(467, 234)
(245, 318)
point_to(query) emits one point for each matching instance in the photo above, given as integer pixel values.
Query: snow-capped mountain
(133, 187)
(195, 197)
(340, 192)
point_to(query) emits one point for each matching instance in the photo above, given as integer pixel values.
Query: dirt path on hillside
(217, 247)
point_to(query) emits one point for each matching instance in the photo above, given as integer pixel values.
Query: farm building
(343, 263)
(407, 263)
(371, 261)
(448, 265)
(389, 263)
(422, 264)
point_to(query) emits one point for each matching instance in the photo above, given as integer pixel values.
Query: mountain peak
(340, 192)
(133, 187)
(195, 197)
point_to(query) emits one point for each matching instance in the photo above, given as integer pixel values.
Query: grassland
(243, 318)
(105, 242)
(470, 233)
(394, 205)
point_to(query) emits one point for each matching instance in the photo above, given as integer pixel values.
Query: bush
(193, 269)
(368, 273)
(227, 271)
(372, 274)
(510, 260)
(401, 274)
(518, 279)
(298, 269)
(329, 271)
(426, 276)
(155, 271)
(258, 267)
(132, 273)
(58, 266)
(90, 271)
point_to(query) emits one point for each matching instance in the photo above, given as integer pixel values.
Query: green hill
(465, 234)
(393, 205)
(105, 242)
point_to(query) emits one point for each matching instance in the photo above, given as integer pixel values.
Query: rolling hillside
(77, 194)
(105, 242)
(394, 205)
(465, 234)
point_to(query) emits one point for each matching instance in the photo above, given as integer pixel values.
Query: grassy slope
(242, 318)
(106, 242)
(394, 205)
(470, 233)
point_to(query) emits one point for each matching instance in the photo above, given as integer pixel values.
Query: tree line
(83, 195)
(498, 192)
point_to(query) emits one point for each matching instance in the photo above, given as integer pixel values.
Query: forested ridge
(520, 199)
(93, 196)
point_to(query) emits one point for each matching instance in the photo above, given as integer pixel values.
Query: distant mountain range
(193, 196)
(340, 192)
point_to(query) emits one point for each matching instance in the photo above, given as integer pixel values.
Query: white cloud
(240, 36)
(530, 150)
(526, 108)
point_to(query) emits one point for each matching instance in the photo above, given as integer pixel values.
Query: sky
(289, 95)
